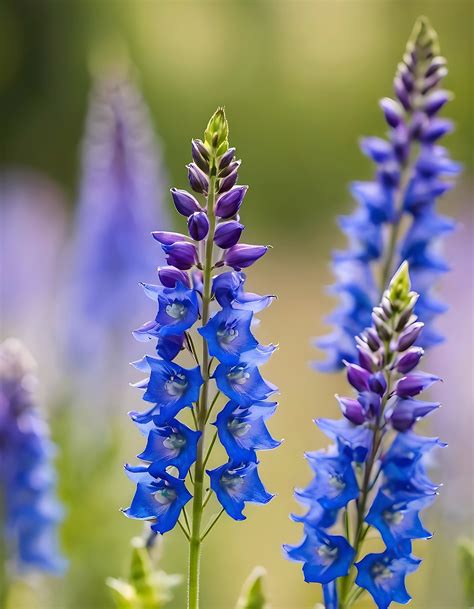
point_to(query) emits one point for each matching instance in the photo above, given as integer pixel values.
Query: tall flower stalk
(396, 218)
(198, 292)
(373, 478)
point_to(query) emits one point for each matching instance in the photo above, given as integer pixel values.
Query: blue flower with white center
(235, 484)
(383, 575)
(243, 383)
(242, 430)
(172, 444)
(178, 310)
(325, 557)
(159, 499)
(334, 484)
(170, 387)
(396, 519)
(228, 289)
(228, 334)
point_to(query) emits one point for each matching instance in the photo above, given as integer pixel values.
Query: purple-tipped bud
(402, 93)
(358, 377)
(436, 62)
(436, 129)
(365, 360)
(352, 410)
(415, 383)
(228, 234)
(170, 275)
(409, 360)
(406, 412)
(241, 256)
(229, 203)
(373, 340)
(198, 225)
(200, 155)
(409, 336)
(434, 79)
(181, 254)
(229, 181)
(226, 158)
(229, 169)
(436, 100)
(197, 179)
(392, 110)
(167, 237)
(184, 202)
(377, 383)
(371, 402)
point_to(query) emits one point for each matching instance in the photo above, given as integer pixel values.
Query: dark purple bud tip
(200, 155)
(170, 275)
(225, 184)
(409, 360)
(228, 204)
(392, 110)
(198, 225)
(181, 254)
(226, 158)
(409, 336)
(167, 238)
(357, 376)
(436, 100)
(228, 234)
(184, 202)
(241, 256)
(415, 383)
(377, 383)
(352, 410)
(197, 179)
(229, 169)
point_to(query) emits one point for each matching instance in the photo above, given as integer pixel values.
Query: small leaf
(252, 596)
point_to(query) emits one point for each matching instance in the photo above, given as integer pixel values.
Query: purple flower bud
(365, 360)
(198, 225)
(197, 179)
(436, 100)
(228, 182)
(409, 360)
(436, 62)
(402, 93)
(435, 129)
(352, 410)
(406, 412)
(373, 340)
(226, 158)
(170, 275)
(358, 377)
(241, 256)
(371, 402)
(184, 202)
(377, 383)
(392, 110)
(228, 234)
(181, 254)
(167, 238)
(415, 383)
(409, 336)
(229, 169)
(200, 155)
(434, 79)
(228, 204)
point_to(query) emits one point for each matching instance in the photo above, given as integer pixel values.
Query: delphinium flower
(29, 510)
(373, 478)
(397, 218)
(119, 199)
(202, 288)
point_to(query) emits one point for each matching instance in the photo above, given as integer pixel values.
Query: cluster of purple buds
(411, 172)
(374, 476)
(194, 293)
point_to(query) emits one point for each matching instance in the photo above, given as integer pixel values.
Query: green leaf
(252, 596)
(466, 553)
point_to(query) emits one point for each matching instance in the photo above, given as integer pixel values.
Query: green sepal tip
(252, 596)
(216, 135)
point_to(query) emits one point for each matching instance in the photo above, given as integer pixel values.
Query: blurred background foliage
(300, 82)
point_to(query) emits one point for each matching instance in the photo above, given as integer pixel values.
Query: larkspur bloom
(374, 476)
(412, 172)
(119, 199)
(198, 292)
(29, 507)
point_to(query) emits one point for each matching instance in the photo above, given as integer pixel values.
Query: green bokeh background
(300, 82)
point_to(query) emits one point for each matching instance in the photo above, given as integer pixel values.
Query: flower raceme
(198, 292)
(412, 172)
(373, 476)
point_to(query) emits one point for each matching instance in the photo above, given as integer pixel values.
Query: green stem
(202, 414)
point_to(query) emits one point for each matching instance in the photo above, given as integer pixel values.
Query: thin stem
(209, 450)
(202, 412)
(206, 500)
(186, 520)
(211, 407)
(212, 525)
(185, 533)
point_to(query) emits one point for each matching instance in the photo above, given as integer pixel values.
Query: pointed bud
(226, 159)
(406, 412)
(229, 169)
(217, 131)
(409, 336)
(228, 234)
(393, 111)
(229, 181)
(436, 100)
(399, 287)
(170, 275)
(352, 409)
(377, 383)
(228, 204)
(185, 203)
(167, 237)
(358, 377)
(198, 156)
(198, 225)
(197, 179)
(181, 254)
(415, 383)
(241, 256)
(409, 360)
